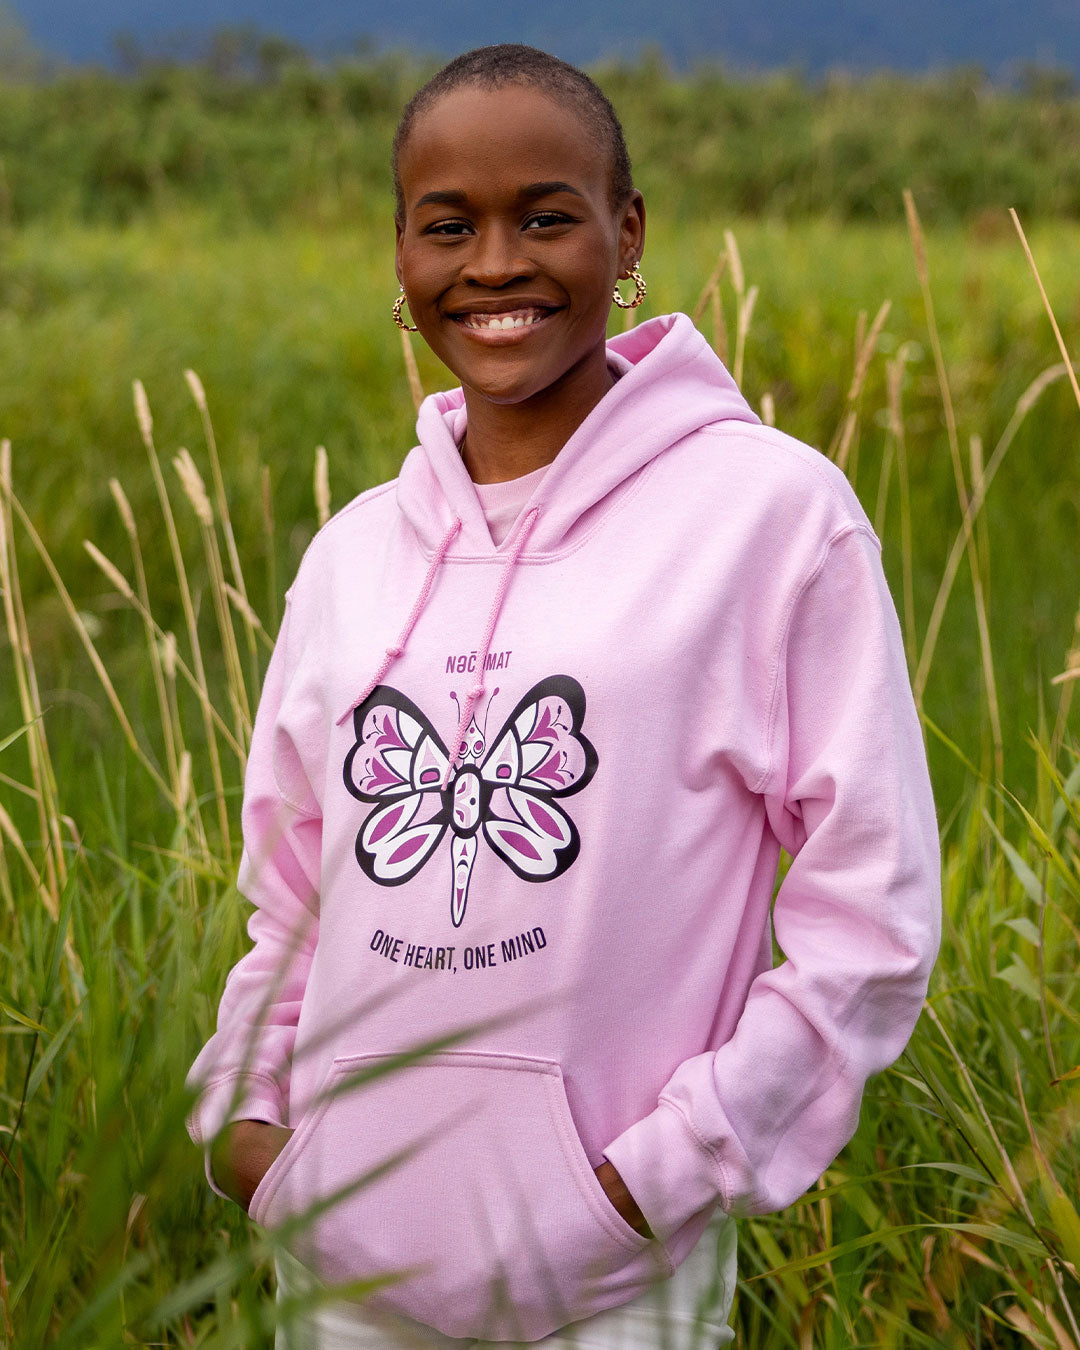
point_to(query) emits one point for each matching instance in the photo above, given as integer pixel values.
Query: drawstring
(476, 692)
(392, 653)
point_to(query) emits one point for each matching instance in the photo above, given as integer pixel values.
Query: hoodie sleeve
(243, 1070)
(858, 918)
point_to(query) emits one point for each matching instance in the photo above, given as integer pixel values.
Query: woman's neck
(505, 441)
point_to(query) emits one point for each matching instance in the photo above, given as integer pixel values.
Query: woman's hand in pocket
(242, 1155)
(620, 1197)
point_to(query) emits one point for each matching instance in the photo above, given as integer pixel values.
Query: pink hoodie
(527, 803)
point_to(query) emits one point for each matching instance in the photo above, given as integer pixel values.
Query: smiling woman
(698, 664)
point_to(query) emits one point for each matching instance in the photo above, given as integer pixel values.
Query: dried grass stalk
(79, 624)
(1069, 675)
(198, 393)
(142, 409)
(41, 769)
(170, 732)
(923, 272)
(415, 387)
(1024, 404)
(322, 485)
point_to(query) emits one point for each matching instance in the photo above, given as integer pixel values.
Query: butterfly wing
(397, 750)
(539, 755)
(535, 838)
(541, 748)
(398, 761)
(393, 844)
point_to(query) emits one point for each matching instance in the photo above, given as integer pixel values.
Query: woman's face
(510, 247)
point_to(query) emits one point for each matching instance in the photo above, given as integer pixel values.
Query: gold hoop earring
(639, 290)
(405, 327)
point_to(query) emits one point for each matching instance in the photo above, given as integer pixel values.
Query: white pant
(687, 1312)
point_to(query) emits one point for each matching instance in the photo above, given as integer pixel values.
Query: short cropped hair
(511, 63)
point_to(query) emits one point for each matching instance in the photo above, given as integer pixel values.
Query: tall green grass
(951, 1217)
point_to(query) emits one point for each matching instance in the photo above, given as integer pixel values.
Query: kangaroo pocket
(494, 1221)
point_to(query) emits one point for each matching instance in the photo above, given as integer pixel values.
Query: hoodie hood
(671, 384)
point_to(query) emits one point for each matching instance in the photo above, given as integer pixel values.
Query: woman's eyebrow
(531, 191)
(447, 197)
(535, 190)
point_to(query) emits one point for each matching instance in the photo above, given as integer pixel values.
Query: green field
(950, 1219)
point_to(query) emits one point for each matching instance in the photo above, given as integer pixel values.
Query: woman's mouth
(506, 321)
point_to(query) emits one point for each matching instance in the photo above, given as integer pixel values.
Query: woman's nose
(496, 258)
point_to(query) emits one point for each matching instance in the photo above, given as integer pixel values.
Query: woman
(540, 718)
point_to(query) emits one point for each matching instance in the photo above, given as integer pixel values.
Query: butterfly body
(466, 794)
(503, 790)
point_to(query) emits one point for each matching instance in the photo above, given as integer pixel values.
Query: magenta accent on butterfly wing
(536, 838)
(393, 845)
(553, 757)
(503, 765)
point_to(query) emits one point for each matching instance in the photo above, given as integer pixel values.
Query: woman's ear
(399, 239)
(632, 232)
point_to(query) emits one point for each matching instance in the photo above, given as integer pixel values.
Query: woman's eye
(448, 227)
(544, 219)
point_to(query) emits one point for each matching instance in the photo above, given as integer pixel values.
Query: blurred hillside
(817, 35)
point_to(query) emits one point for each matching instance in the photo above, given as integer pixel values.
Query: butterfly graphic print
(507, 790)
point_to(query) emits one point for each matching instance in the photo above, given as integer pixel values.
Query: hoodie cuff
(235, 1097)
(668, 1171)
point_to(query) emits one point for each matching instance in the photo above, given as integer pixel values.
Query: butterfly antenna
(487, 710)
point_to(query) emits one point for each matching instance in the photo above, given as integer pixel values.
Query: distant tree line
(248, 125)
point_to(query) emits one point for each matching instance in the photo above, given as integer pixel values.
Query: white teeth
(500, 323)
